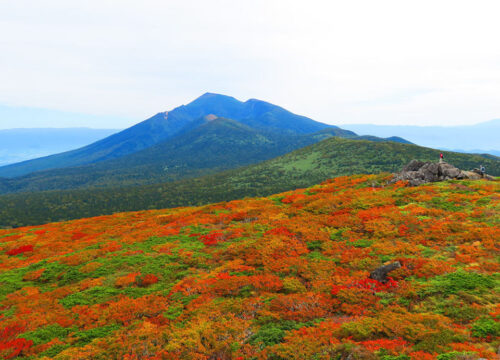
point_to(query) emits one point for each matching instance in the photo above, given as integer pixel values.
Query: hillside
(301, 168)
(212, 146)
(282, 277)
(165, 125)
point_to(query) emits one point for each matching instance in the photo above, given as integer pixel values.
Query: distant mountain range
(480, 138)
(303, 167)
(18, 145)
(212, 133)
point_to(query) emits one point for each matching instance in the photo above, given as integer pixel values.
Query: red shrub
(212, 239)
(77, 235)
(279, 231)
(13, 348)
(20, 250)
(367, 284)
(394, 345)
(146, 280)
(223, 276)
(376, 286)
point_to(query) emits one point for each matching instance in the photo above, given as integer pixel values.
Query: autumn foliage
(19, 250)
(282, 277)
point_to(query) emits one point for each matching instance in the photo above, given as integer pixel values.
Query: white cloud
(398, 61)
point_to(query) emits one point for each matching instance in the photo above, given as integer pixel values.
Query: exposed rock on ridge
(418, 172)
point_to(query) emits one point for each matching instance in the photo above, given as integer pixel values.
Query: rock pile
(419, 172)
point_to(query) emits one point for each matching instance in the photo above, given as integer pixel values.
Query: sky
(110, 64)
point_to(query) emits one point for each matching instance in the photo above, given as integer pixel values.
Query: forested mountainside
(215, 145)
(281, 277)
(301, 168)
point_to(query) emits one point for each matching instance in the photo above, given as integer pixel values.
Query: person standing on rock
(482, 170)
(441, 158)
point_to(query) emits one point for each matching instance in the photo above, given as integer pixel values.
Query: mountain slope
(165, 125)
(303, 167)
(216, 144)
(282, 277)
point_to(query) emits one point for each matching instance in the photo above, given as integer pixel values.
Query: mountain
(289, 276)
(304, 167)
(479, 138)
(23, 144)
(165, 125)
(390, 138)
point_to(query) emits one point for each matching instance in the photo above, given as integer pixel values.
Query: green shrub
(273, 333)
(95, 295)
(392, 357)
(173, 312)
(84, 337)
(458, 281)
(314, 245)
(54, 350)
(362, 243)
(457, 309)
(47, 333)
(484, 327)
(455, 355)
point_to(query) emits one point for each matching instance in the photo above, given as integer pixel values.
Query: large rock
(380, 273)
(419, 172)
(413, 165)
(472, 175)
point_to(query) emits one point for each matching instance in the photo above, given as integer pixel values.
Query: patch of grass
(302, 162)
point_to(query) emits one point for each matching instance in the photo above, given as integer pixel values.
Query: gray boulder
(380, 273)
(413, 165)
(418, 172)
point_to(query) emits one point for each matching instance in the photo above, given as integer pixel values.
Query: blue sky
(110, 64)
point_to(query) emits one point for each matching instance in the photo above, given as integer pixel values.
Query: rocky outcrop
(380, 273)
(419, 172)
